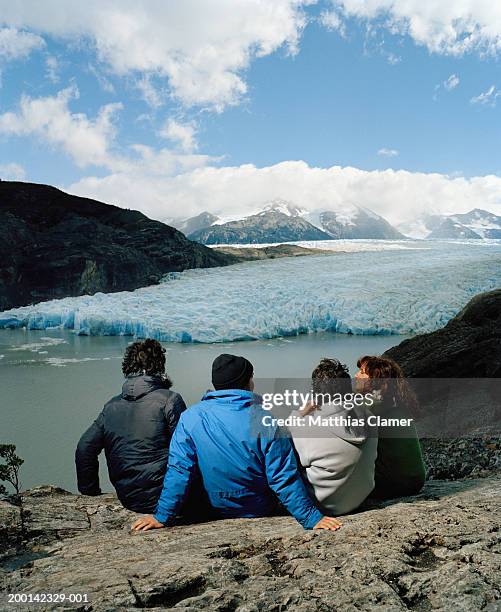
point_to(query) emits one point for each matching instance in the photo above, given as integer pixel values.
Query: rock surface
(469, 346)
(454, 458)
(440, 550)
(272, 252)
(54, 245)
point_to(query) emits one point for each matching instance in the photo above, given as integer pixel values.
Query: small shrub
(9, 469)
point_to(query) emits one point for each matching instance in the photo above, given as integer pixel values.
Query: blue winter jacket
(242, 462)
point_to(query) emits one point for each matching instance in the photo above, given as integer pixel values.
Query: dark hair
(379, 368)
(145, 357)
(331, 377)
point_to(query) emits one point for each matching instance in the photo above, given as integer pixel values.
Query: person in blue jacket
(247, 468)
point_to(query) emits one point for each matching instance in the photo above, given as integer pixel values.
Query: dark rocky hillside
(469, 346)
(54, 245)
(456, 373)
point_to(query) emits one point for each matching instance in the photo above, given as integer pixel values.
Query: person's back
(134, 429)
(338, 463)
(233, 449)
(338, 460)
(399, 469)
(246, 466)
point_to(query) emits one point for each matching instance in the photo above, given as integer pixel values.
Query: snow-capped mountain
(283, 221)
(354, 222)
(449, 229)
(278, 221)
(193, 224)
(482, 222)
(476, 224)
(285, 207)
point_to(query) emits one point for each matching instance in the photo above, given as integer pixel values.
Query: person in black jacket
(134, 429)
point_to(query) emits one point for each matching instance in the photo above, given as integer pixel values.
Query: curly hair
(145, 357)
(331, 377)
(379, 368)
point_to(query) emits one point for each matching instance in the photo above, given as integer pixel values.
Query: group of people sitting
(172, 463)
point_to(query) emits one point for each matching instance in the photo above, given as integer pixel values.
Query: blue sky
(191, 124)
(338, 102)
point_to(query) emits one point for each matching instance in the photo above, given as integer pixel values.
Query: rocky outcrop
(54, 245)
(437, 551)
(469, 346)
(272, 252)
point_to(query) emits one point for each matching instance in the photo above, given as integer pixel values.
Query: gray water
(54, 383)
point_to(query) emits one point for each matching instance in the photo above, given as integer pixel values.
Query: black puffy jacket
(134, 429)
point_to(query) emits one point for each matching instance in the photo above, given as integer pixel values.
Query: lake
(283, 315)
(54, 383)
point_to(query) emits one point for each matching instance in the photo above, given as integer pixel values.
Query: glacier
(404, 291)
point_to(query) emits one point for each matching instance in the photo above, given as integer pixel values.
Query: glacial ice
(379, 292)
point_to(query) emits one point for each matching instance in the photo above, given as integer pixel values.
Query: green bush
(9, 469)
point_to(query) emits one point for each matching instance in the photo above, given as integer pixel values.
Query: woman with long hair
(399, 469)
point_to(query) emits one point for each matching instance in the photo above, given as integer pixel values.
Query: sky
(178, 107)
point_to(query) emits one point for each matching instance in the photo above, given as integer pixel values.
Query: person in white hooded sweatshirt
(338, 461)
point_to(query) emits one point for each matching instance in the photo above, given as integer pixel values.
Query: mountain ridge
(477, 224)
(282, 221)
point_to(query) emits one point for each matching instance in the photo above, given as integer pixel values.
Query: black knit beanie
(231, 372)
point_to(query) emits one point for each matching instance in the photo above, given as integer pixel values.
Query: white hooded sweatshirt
(338, 461)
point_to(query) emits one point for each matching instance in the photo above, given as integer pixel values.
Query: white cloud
(452, 27)
(52, 69)
(451, 83)
(151, 94)
(92, 141)
(487, 98)
(393, 59)
(201, 48)
(397, 195)
(332, 21)
(86, 140)
(148, 163)
(15, 44)
(388, 152)
(105, 84)
(182, 134)
(12, 172)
